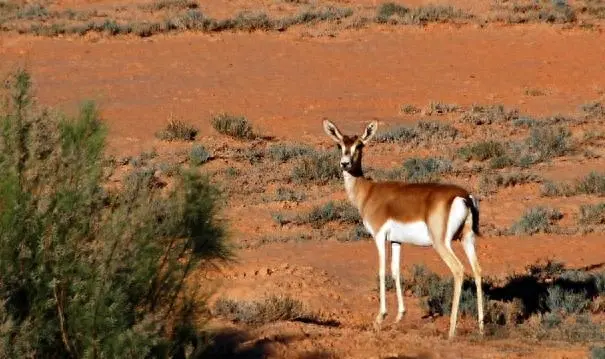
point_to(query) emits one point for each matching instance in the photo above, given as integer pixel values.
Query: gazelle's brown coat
(432, 214)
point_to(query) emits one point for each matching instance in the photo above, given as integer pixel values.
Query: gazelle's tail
(473, 206)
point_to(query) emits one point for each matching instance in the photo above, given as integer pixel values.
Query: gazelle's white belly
(416, 233)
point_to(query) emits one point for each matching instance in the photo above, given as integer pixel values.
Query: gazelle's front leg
(396, 272)
(380, 239)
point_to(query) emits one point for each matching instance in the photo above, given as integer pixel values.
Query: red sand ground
(286, 83)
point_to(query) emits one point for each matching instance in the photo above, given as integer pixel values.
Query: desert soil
(286, 83)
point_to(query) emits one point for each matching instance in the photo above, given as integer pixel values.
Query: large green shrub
(85, 270)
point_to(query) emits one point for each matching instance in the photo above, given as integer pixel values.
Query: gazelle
(427, 214)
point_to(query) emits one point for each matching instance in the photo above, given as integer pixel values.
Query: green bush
(343, 212)
(284, 153)
(420, 170)
(317, 167)
(592, 214)
(234, 126)
(536, 220)
(177, 130)
(547, 143)
(87, 271)
(487, 115)
(199, 155)
(481, 151)
(597, 352)
(269, 310)
(593, 183)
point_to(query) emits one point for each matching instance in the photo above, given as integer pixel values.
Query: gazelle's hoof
(379, 320)
(399, 316)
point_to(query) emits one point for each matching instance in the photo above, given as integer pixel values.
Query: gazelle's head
(351, 147)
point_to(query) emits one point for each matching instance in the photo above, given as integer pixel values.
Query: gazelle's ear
(369, 132)
(332, 131)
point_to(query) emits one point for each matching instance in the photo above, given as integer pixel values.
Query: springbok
(424, 214)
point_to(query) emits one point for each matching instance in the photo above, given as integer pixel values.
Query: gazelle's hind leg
(443, 226)
(380, 239)
(396, 273)
(468, 243)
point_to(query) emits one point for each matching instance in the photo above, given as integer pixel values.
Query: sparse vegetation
(234, 126)
(342, 212)
(547, 143)
(491, 183)
(440, 108)
(177, 130)
(487, 115)
(482, 151)
(591, 216)
(284, 153)
(410, 109)
(593, 183)
(199, 155)
(554, 12)
(269, 310)
(534, 92)
(597, 352)
(419, 170)
(537, 220)
(393, 13)
(158, 5)
(424, 132)
(553, 296)
(288, 194)
(317, 167)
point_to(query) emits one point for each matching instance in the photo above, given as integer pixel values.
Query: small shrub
(526, 122)
(551, 189)
(592, 214)
(548, 143)
(593, 183)
(500, 162)
(561, 300)
(534, 92)
(489, 184)
(487, 115)
(359, 232)
(410, 109)
(389, 282)
(439, 108)
(420, 170)
(401, 134)
(251, 155)
(288, 194)
(422, 132)
(388, 9)
(317, 167)
(284, 153)
(177, 130)
(234, 126)
(313, 15)
(332, 211)
(158, 5)
(433, 130)
(482, 151)
(269, 310)
(434, 13)
(537, 220)
(422, 280)
(199, 155)
(597, 352)
(551, 320)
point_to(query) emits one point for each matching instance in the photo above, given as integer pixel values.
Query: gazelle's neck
(353, 188)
